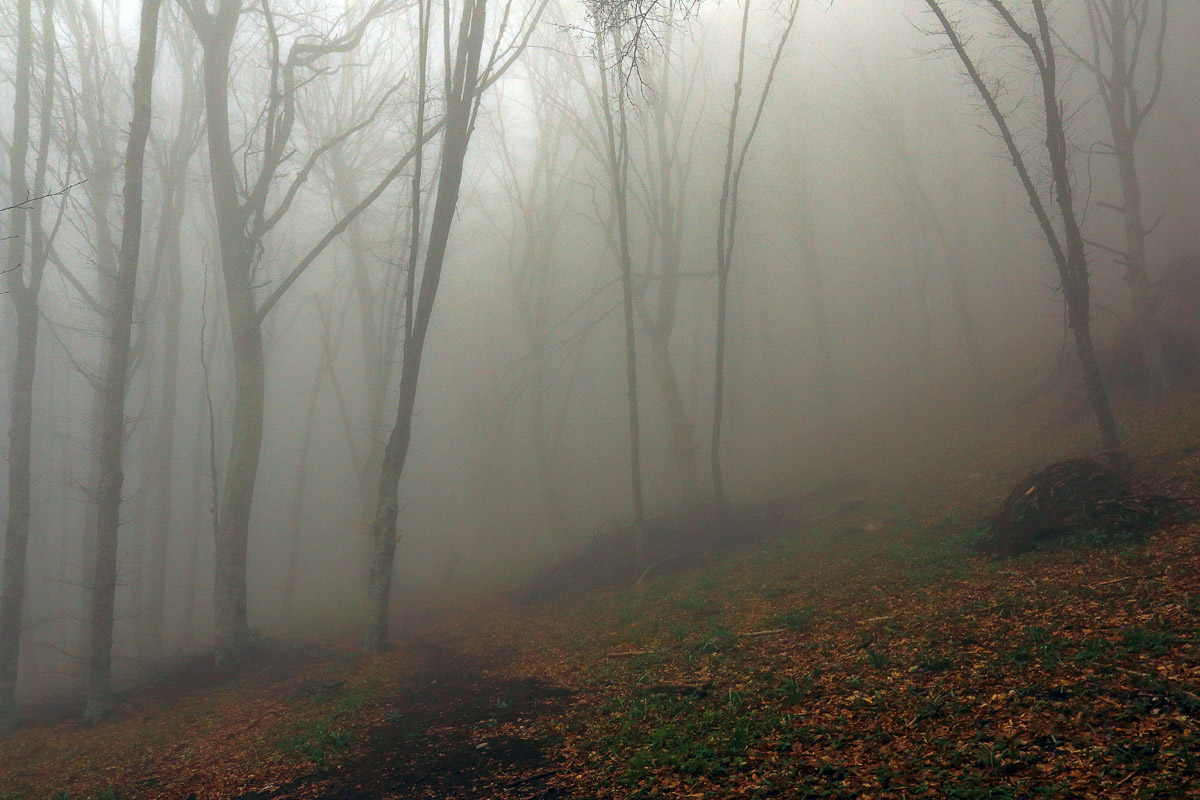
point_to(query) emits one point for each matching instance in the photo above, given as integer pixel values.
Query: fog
(887, 272)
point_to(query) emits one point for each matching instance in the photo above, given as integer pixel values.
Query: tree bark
(297, 519)
(16, 534)
(735, 162)
(617, 156)
(461, 103)
(112, 437)
(160, 517)
(1068, 249)
(1125, 116)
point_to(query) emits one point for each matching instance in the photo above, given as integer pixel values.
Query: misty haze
(602, 399)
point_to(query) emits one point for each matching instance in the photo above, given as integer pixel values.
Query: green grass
(324, 743)
(799, 619)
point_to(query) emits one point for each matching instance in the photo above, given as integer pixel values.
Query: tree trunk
(160, 517)
(617, 142)
(112, 437)
(98, 133)
(1068, 250)
(1157, 372)
(237, 493)
(16, 534)
(196, 526)
(718, 418)
(683, 433)
(297, 520)
(459, 124)
(1124, 120)
(1074, 271)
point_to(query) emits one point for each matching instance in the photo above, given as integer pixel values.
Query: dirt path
(462, 730)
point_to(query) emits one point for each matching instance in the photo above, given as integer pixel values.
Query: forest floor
(863, 650)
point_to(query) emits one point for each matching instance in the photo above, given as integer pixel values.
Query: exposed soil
(457, 732)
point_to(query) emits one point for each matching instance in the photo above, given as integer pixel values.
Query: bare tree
(727, 215)
(325, 370)
(244, 214)
(23, 291)
(538, 197)
(28, 248)
(95, 102)
(108, 493)
(465, 79)
(909, 182)
(616, 162)
(1067, 246)
(378, 292)
(666, 183)
(645, 152)
(1120, 43)
(172, 158)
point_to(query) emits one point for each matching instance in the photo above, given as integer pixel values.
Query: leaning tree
(1064, 237)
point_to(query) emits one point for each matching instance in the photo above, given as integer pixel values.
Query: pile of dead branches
(1083, 498)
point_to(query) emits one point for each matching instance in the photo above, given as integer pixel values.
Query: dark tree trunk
(112, 440)
(1068, 249)
(16, 533)
(459, 123)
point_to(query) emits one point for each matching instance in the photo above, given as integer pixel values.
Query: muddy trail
(461, 729)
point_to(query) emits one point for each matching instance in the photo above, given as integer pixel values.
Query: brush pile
(1083, 498)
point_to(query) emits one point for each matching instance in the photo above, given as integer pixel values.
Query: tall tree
(617, 162)
(465, 78)
(116, 377)
(1119, 31)
(727, 217)
(664, 178)
(537, 194)
(95, 103)
(30, 242)
(172, 157)
(245, 214)
(1067, 246)
(22, 289)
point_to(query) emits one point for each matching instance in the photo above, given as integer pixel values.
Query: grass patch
(799, 619)
(323, 743)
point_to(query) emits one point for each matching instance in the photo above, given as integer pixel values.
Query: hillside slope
(863, 650)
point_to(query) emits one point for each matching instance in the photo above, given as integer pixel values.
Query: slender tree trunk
(1068, 250)
(241, 472)
(812, 267)
(160, 516)
(1124, 119)
(669, 209)
(297, 520)
(925, 325)
(727, 212)
(99, 131)
(543, 450)
(196, 527)
(683, 433)
(108, 493)
(617, 152)
(1158, 373)
(376, 365)
(461, 103)
(1075, 280)
(16, 534)
(718, 418)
